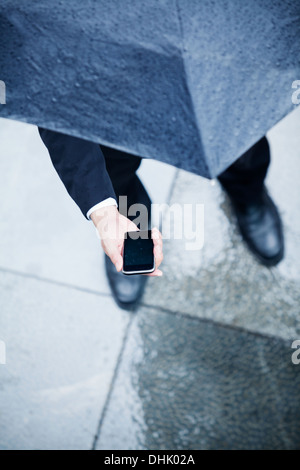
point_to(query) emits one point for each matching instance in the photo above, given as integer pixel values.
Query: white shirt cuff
(110, 201)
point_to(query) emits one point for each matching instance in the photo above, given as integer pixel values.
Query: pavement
(205, 362)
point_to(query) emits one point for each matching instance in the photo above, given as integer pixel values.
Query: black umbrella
(194, 83)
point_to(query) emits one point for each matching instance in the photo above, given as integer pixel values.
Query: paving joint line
(236, 328)
(52, 281)
(112, 383)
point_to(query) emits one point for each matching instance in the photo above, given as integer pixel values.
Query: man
(96, 176)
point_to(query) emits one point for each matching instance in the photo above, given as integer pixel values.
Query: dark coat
(193, 83)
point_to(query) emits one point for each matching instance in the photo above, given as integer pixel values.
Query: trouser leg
(122, 167)
(244, 179)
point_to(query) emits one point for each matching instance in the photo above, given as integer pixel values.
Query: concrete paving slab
(223, 281)
(283, 180)
(185, 383)
(62, 346)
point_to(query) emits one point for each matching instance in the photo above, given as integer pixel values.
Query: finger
(117, 260)
(119, 264)
(158, 251)
(156, 273)
(156, 235)
(158, 243)
(131, 227)
(113, 251)
(158, 255)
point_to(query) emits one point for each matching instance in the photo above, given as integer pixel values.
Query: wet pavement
(205, 361)
(187, 383)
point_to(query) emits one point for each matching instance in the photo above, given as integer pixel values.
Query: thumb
(115, 257)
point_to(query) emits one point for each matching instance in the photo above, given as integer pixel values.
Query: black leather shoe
(128, 290)
(261, 228)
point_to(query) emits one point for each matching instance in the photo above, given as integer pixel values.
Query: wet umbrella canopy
(192, 83)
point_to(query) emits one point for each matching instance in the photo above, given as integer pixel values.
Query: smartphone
(138, 257)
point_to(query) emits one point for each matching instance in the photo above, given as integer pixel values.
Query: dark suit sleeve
(80, 165)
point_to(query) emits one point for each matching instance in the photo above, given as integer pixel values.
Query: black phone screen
(138, 251)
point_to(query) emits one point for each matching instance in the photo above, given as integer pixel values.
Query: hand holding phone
(112, 227)
(138, 253)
